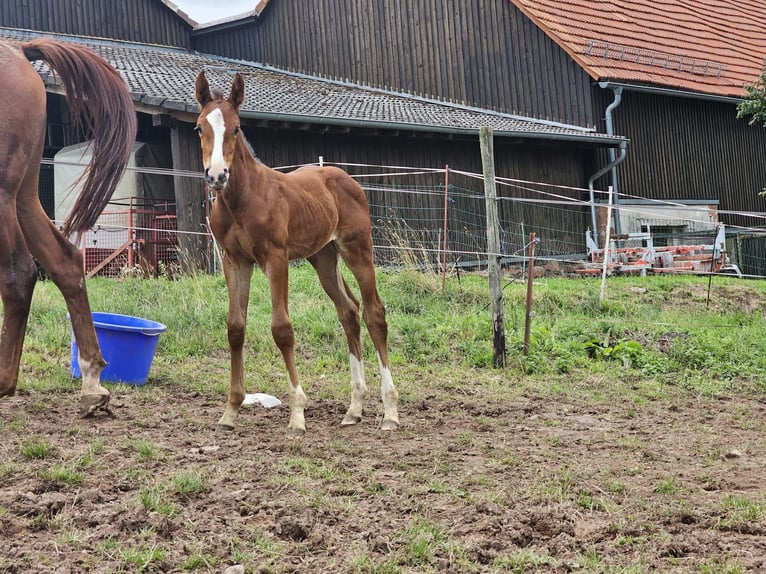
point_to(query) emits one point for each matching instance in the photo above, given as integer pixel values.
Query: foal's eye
(198, 130)
(235, 131)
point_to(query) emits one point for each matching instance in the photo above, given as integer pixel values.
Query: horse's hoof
(295, 434)
(89, 404)
(224, 427)
(349, 420)
(389, 424)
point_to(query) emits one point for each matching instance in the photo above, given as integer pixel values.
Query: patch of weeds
(368, 565)
(522, 561)
(145, 448)
(73, 537)
(260, 548)
(425, 540)
(667, 486)
(142, 557)
(36, 449)
(589, 561)
(199, 562)
(740, 510)
(94, 448)
(187, 482)
(558, 488)
(315, 469)
(464, 438)
(440, 487)
(613, 486)
(510, 458)
(589, 502)
(60, 474)
(155, 499)
(721, 567)
(6, 471)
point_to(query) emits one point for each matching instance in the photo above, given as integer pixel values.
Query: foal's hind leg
(64, 265)
(17, 282)
(325, 263)
(358, 257)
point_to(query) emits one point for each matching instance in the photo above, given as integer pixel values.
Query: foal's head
(218, 128)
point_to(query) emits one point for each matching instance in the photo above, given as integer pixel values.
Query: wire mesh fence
(436, 219)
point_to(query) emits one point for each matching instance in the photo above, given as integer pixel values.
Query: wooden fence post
(493, 247)
(446, 215)
(530, 283)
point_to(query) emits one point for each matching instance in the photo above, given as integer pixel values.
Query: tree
(753, 106)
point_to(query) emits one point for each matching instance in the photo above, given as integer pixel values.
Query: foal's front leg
(282, 331)
(238, 275)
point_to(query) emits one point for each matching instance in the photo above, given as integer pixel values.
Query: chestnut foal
(265, 217)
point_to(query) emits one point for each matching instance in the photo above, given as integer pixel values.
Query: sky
(204, 11)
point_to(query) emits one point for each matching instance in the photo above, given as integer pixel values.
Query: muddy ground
(532, 483)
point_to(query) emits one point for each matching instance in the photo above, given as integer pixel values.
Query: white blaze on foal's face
(217, 162)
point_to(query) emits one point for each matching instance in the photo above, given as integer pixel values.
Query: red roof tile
(710, 46)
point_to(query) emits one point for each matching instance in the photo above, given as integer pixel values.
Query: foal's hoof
(89, 404)
(224, 427)
(349, 420)
(295, 434)
(389, 424)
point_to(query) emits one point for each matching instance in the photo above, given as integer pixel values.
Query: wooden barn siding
(559, 165)
(483, 53)
(682, 148)
(144, 21)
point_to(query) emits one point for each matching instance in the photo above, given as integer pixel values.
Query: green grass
(660, 330)
(652, 340)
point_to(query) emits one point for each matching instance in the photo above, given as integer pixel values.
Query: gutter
(613, 161)
(611, 155)
(669, 92)
(591, 138)
(612, 165)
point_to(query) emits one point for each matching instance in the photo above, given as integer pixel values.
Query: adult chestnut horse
(101, 103)
(265, 217)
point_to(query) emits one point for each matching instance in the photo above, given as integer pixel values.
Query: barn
(563, 86)
(666, 75)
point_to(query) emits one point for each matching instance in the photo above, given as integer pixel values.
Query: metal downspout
(612, 165)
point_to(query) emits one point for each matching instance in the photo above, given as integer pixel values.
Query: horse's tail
(100, 102)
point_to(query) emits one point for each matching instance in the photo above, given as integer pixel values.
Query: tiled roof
(709, 46)
(163, 78)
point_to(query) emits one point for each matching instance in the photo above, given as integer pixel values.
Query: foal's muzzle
(219, 181)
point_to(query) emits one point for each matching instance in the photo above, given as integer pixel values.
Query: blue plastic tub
(127, 344)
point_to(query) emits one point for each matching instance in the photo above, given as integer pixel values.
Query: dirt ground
(532, 484)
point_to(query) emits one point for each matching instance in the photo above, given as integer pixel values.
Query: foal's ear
(202, 90)
(237, 94)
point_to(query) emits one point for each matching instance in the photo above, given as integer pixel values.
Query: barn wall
(682, 148)
(483, 53)
(563, 228)
(146, 21)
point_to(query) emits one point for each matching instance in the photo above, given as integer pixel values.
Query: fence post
(530, 283)
(493, 246)
(444, 238)
(606, 254)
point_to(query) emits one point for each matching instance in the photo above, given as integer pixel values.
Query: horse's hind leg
(358, 257)
(63, 263)
(325, 263)
(17, 282)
